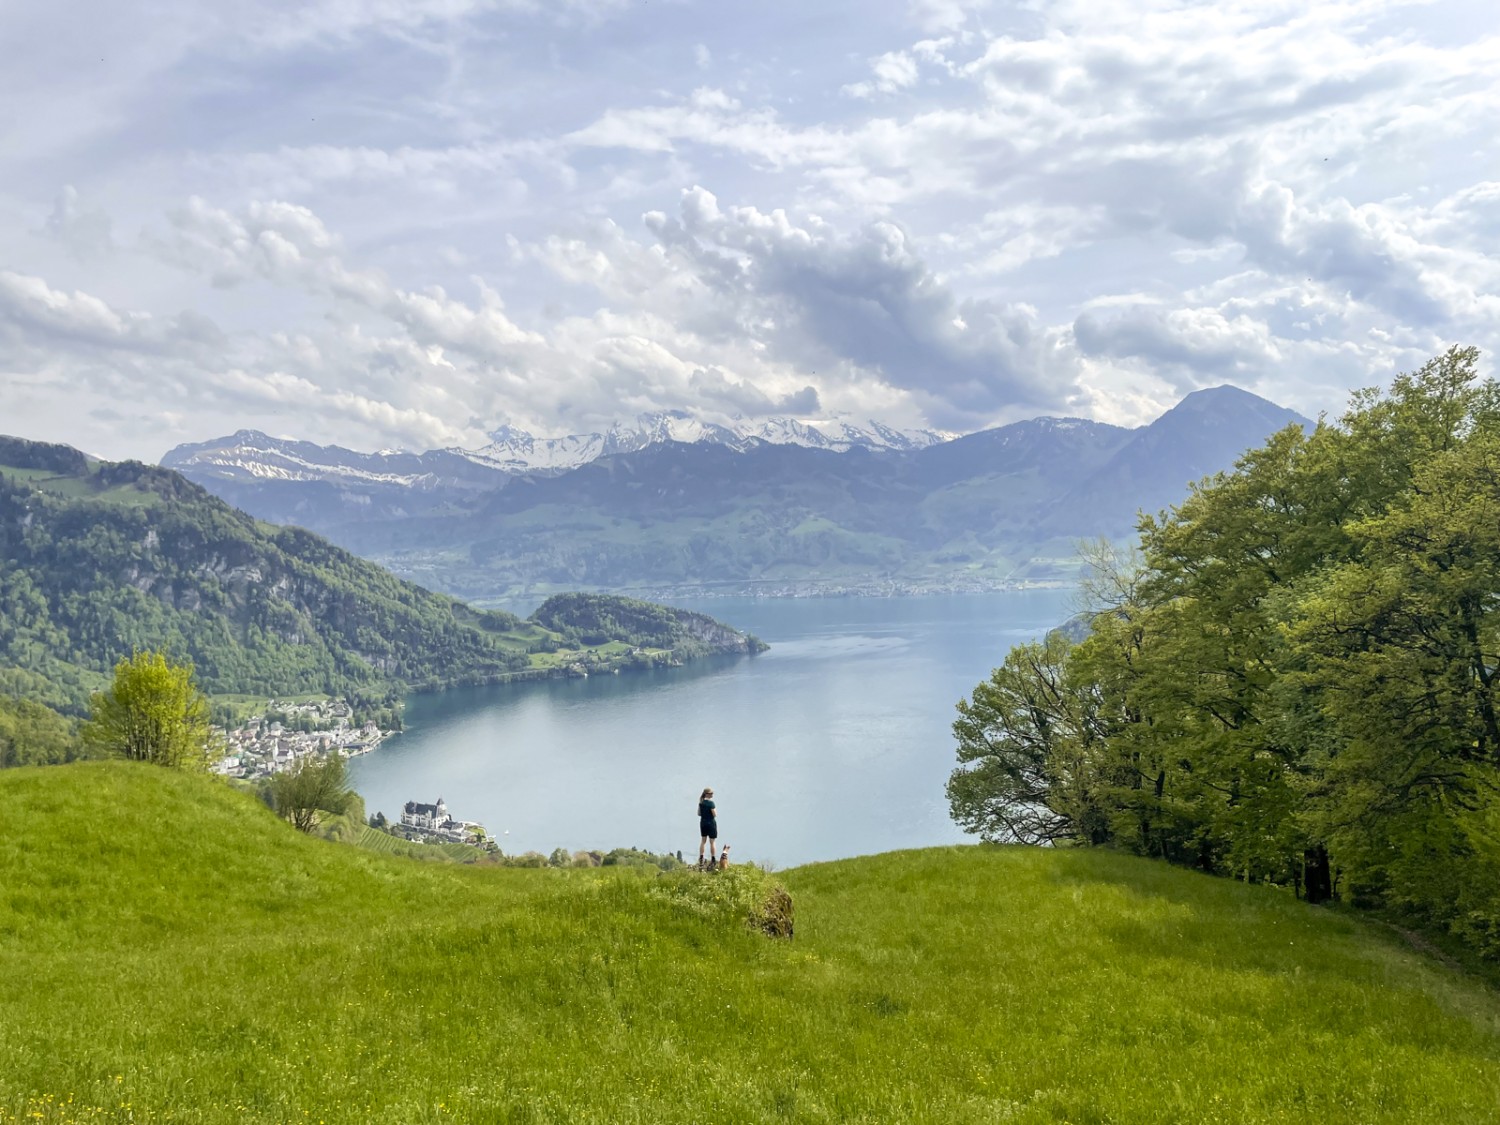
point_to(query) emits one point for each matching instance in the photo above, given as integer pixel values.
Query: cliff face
(717, 636)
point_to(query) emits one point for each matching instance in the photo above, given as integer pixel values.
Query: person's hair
(706, 793)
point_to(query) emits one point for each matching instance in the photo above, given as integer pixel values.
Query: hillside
(226, 968)
(971, 512)
(97, 559)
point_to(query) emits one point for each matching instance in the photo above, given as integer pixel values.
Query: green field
(76, 489)
(171, 952)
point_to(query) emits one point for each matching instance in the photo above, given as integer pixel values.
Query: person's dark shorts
(709, 828)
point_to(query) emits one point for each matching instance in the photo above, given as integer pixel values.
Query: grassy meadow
(171, 952)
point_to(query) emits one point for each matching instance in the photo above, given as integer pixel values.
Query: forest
(99, 560)
(1291, 678)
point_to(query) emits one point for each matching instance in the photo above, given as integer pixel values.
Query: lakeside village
(289, 732)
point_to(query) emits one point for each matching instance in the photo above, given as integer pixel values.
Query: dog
(724, 857)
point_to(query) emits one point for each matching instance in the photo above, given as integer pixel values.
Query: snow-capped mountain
(466, 522)
(516, 451)
(250, 455)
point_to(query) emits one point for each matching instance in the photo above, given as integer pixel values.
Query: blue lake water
(835, 743)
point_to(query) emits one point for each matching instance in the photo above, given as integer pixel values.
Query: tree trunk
(1317, 874)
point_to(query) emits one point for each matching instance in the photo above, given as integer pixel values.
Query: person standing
(708, 825)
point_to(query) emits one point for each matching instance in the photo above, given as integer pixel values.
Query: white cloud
(892, 71)
(396, 219)
(942, 15)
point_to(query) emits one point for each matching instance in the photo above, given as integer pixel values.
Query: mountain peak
(1228, 399)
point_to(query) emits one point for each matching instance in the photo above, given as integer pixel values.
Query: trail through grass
(169, 951)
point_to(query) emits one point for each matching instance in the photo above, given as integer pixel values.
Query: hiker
(708, 825)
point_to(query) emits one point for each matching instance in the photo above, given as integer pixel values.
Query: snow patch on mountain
(516, 451)
(252, 455)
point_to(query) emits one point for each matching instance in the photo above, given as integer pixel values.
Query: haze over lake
(834, 743)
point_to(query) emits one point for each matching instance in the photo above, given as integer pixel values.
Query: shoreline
(783, 591)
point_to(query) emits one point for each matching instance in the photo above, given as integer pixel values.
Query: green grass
(171, 951)
(77, 488)
(610, 650)
(242, 708)
(378, 841)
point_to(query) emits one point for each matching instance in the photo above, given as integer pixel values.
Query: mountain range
(780, 511)
(251, 455)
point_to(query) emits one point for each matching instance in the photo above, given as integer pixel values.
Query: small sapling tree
(310, 788)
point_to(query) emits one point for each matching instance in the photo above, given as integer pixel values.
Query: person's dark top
(705, 809)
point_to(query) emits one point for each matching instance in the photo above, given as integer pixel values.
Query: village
(266, 745)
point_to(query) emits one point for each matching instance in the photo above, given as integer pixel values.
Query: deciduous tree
(310, 788)
(152, 712)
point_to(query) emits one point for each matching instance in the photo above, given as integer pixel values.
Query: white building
(429, 818)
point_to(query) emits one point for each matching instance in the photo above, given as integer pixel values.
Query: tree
(34, 735)
(1300, 682)
(1018, 737)
(311, 787)
(153, 712)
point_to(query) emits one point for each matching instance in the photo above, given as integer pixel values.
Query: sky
(406, 223)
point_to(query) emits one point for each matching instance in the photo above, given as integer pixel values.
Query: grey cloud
(84, 231)
(1360, 250)
(870, 300)
(37, 312)
(720, 393)
(1190, 347)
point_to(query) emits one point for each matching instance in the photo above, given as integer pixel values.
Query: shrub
(744, 893)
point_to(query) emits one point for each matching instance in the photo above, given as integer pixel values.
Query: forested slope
(97, 559)
(1298, 682)
(591, 619)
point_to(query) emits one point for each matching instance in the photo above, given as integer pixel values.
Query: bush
(745, 894)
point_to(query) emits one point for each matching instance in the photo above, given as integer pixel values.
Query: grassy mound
(171, 952)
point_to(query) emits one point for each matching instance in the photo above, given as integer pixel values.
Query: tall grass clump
(744, 893)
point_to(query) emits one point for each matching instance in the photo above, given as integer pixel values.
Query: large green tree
(1299, 684)
(1024, 743)
(152, 712)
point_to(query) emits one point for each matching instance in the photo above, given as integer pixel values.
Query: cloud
(84, 231)
(403, 222)
(289, 245)
(892, 71)
(866, 300)
(740, 398)
(1191, 347)
(942, 15)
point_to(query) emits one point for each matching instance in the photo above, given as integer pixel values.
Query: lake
(835, 743)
